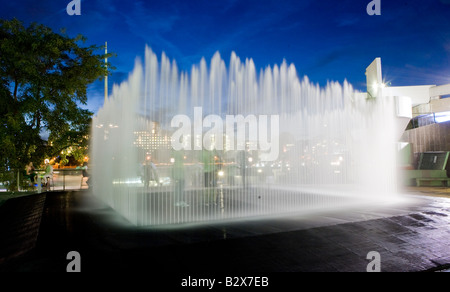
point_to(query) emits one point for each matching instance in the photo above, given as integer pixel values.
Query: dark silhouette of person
(179, 179)
(150, 172)
(85, 172)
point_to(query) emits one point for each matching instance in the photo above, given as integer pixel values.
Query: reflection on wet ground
(412, 235)
(161, 206)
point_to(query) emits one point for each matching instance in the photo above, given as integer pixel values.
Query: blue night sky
(325, 40)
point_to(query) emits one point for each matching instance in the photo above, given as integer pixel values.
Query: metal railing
(67, 179)
(62, 180)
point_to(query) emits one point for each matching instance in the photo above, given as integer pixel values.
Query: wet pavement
(412, 235)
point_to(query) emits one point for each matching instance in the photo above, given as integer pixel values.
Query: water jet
(337, 146)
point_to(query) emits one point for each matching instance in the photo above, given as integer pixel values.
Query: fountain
(236, 143)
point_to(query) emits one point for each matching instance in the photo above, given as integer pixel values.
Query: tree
(44, 78)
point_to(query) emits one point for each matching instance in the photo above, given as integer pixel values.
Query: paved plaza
(412, 235)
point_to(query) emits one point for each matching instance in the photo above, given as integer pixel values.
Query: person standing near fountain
(29, 172)
(150, 172)
(48, 175)
(178, 176)
(85, 173)
(210, 169)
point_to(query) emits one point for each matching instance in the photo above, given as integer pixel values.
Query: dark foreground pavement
(411, 236)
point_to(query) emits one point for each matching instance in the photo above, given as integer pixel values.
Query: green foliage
(44, 78)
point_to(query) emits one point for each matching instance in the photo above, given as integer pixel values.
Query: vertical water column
(333, 142)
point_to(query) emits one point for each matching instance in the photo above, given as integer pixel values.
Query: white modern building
(411, 101)
(423, 114)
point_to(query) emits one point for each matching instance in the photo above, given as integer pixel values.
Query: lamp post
(106, 73)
